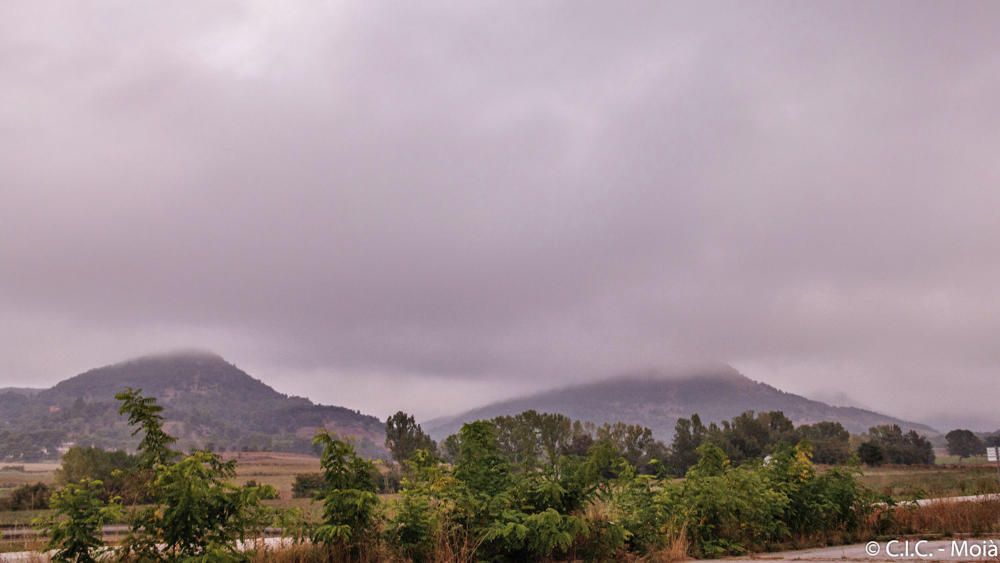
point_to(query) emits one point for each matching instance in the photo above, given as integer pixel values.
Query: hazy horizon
(430, 206)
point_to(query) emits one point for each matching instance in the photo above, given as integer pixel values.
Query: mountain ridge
(654, 400)
(208, 402)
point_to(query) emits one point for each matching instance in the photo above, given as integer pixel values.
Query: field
(941, 458)
(15, 475)
(275, 469)
(905, 483)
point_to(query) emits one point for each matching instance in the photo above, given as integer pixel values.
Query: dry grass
(677, 549)
(273, 468)
(948, 518)
(313, 553)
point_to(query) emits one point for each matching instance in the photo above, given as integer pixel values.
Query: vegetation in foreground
(535, 487)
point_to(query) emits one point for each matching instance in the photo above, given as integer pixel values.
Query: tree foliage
(964, 443)
(403, 437)
(75, 530)
(32, 496)
(144, 414)
(896, 447)
(348, 495)
(531, 487)
(116, 469)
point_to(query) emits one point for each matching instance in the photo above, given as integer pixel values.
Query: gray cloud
(492, 197)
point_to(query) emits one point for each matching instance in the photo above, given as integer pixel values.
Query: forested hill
(207, 401)
(656, 401)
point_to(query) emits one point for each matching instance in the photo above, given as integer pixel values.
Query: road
(965, 549)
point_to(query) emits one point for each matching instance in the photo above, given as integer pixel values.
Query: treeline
(531, 438)
(525, 488)
(889, 444)
(540, 487)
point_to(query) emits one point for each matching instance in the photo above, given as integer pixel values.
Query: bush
(116, 469)
(896, 447)
(196, 511)
(76, 528)
(306, 485)
(348, 496)
(27, 497)
(725, 509)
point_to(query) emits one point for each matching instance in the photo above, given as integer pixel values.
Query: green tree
(964, 443)
(688, 436)
(422, 517)
(144, 414)
(199, 512)
(196, 511)
(530, 439)
(403, 436)
(113, 468)
(348, 495)
(33, 496)
(480, 465)
(635, 443)
(450, 447)
(830, 441)
(724, 509)
(306, 485)
(901, 448)
(871, 454)
(76, 528)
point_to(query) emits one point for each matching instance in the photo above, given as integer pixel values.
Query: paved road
(35, 557)
(928, 501)
(967, 549)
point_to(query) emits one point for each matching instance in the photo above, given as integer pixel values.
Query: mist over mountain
(657, 401)
(208, 402)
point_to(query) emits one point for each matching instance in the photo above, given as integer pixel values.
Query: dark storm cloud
(493, 196)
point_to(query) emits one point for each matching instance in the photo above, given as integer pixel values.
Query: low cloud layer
(378, 206)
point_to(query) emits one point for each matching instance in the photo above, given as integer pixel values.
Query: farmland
(912, 482)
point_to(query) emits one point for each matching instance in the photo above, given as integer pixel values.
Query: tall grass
(948, 518)
(945, 518)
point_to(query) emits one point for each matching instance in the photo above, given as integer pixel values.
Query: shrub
(75, 529)
(306, 485)
(198, 512)
(348, 496)
(116, 469)
(27, 497)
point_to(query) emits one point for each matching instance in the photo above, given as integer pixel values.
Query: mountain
(656, 401)
(208, 402)
(22, 391)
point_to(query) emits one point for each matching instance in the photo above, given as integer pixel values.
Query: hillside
(207, 401)
(657, 402)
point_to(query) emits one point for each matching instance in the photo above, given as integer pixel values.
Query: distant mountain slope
(23, 391)
(207, 401)
(657, 402)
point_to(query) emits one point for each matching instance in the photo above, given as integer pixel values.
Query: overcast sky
(426, 206)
